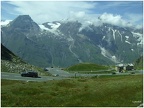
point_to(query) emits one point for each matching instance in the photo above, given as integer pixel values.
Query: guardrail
(92, 72)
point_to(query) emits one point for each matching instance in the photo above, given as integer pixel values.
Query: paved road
(62, 73)
(58, 73)
(16, 76)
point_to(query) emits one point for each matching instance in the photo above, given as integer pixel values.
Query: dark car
(29, 74)
(113, 73)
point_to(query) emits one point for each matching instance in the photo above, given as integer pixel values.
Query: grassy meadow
(121, 91)
(87, 67)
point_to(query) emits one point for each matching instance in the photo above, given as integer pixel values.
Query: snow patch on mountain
(127, 42)
(139, 37)
(114, 59)
(120, 35)
(72, 42)
(53, 28)
(127, 37)
(113, 33)
(43, 27)
(54, 25)
(103, 37)
(106, 54)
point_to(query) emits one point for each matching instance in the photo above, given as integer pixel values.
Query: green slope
(12, 63)
(139, 63)
(6, 54)
(87, 67)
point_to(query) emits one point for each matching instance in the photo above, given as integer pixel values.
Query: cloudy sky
(123, 13)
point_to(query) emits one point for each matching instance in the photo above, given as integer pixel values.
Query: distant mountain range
(64, 43)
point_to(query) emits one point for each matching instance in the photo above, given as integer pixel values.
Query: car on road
(29, 74)
(113, 73)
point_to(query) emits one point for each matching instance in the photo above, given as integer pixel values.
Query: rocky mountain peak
(24, 23)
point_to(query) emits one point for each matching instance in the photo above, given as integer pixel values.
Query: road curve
(16, 76)
(62, 73)
(58, 74)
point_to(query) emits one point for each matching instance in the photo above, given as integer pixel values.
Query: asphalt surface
(16, 76)
(62, 73)
(58, 74)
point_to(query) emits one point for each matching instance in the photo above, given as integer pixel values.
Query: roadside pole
(75, 74)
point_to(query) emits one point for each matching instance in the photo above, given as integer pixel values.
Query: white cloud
(4, 23)
(86, 12)
(114, 19)
(50, 11)
(85, 18)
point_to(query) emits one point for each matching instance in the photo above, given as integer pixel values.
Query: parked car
(29, 74)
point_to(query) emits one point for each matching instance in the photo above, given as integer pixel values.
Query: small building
(120, 67)
(130, 67)
(124, 67)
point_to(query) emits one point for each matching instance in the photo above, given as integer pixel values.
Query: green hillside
(87, 67)
(6, 54)
(139, 63)
(12, 63)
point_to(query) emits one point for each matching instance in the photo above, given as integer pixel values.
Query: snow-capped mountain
(63, 43)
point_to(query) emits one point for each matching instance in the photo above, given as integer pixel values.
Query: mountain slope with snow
(64, 43)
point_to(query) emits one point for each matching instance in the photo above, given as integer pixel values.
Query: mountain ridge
(67, 43)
